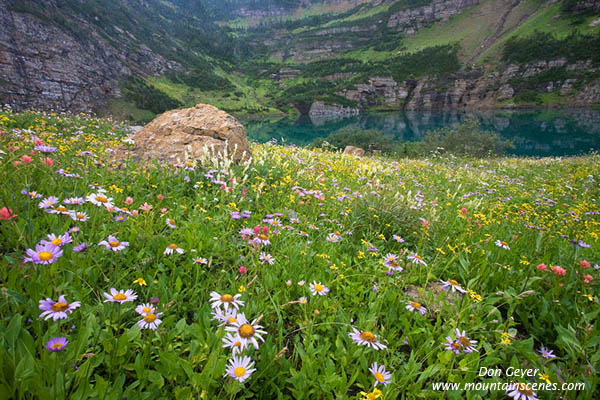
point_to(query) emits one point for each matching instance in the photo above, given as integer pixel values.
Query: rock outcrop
(319, 108)
(477, 89)
(46, 67)
(189, 134)
(411, 19)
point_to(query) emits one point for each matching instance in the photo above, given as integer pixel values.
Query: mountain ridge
(134, 59)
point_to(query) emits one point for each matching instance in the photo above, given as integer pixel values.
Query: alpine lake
(535, 133)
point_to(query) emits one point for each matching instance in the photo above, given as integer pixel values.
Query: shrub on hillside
(466, 139)
(542, 46)
(147, 97)
(369, 140)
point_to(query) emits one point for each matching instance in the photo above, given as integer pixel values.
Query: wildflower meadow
(297, 274)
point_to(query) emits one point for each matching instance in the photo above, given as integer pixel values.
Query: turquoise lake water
(535, 132)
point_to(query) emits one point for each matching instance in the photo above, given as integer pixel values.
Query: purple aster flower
(548, 355)
(45, 149)
(48, 202)
(73, 201)
(246, 214)
(121, 217)
(57, 309)
(32, 194)
(43, 254)
(57, 343)
(74, 229)
(521, 391)
(81, 247)
(452, 284)
(391, 261)
(452, 345)
(583, 244)
(58, 241)
(113, 244)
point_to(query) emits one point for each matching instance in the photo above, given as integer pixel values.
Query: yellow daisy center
(61, 208)
(246, 331)
(318, 287)
(45, 255)
(456, 346)
(150, 318)
(262, 237)
(57, 345)
(101, 199)
(416, 305)
(239, 372)
(464, 341)
(227, 298)
(119, 297)
(379, 377)
(524, 389)
(172, 246)
(56, 241)
(80, 215)
(453, 282)
(59, 306)
(368, 337)
(146, 310)
(114, 243)
(171, 221)
(231, 320)
(237, 344)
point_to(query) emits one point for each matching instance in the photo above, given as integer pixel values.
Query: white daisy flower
(173, 248)
(225, 317)
(100, 200)
(240, 368)
(225, 300)
(266, 258)
(318, 288)
(144, 309)
(231, 341)
(502, 244)
(120, 296)
(150, 321)
(247, 332)
(78, 216)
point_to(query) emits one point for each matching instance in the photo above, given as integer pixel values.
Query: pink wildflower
(558, 270)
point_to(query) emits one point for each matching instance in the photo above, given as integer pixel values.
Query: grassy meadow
(291, 275)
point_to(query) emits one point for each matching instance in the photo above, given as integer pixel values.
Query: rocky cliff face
(43, 66)
(478, 90)
(411, 19)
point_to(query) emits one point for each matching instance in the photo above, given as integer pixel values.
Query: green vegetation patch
(148, 97)
(541, 46)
